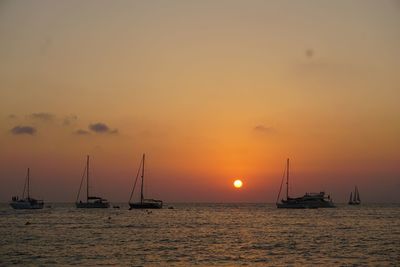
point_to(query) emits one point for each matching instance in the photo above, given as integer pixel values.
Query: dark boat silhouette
(308, 201)
(144, 203)
(28, 202)
(92, 202)
(355, 199)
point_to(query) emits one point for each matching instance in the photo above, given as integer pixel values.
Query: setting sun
(238, 183)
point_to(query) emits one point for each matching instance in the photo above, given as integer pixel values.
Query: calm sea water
(201, 234)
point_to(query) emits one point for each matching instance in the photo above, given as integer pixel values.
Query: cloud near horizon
(18, 130)
(101, 128)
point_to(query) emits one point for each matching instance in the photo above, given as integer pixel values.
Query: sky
(211, 91)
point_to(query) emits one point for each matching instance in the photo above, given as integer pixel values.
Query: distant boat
(308, 201)
(26, 202)
(144, 203)
(355, 199)
(92, 202)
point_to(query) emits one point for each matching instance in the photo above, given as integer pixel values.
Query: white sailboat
(355, 199)
(26, 202)
(92, 202)
(145, 203)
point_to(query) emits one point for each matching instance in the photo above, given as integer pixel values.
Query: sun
(238, 183)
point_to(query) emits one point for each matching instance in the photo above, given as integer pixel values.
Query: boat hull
(308, 201)
(146, 205)
(354, 203)
(26, 205)
(88, 205)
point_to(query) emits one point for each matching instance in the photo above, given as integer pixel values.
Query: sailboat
(92, 202)
(144, 203)
(355, 199)
(26, 202)
(308, 201)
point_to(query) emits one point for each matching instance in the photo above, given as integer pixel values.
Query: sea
(201, 234)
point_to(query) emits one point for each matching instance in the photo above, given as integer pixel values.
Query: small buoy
(109, 218)
(170, 207)
(27, 223)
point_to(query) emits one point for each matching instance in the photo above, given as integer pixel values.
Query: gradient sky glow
(211, 91)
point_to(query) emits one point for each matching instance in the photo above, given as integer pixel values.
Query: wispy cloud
(81, 132)
(68, 120)
(263, 129)
(309, 53)
(100, 127)
(43, 116)
(115, 131)
(19, 130)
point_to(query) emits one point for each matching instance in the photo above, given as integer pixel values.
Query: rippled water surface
(201, 234)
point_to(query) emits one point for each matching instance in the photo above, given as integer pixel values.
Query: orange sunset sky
(211, 91)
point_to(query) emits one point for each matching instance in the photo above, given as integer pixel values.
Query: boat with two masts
(92, 202)
(28, 202)
(144, 203)
(308, 201)
(355, 199)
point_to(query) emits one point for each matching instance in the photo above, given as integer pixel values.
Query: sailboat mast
(141, 191)
(28, 182)
(358, 195)
(287, 180)
(87, 178)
